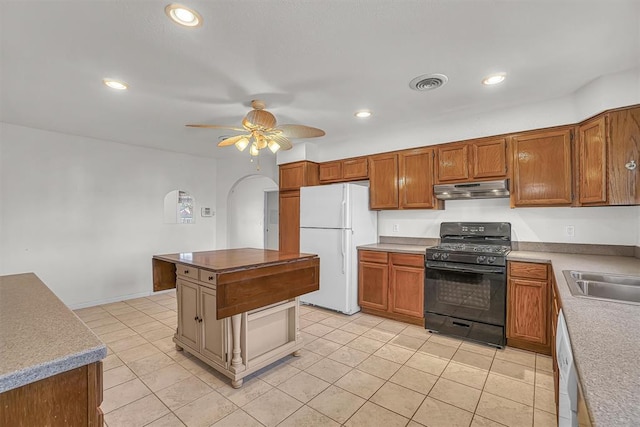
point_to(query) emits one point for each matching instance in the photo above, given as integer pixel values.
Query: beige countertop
(605, 337)
(394, 247)
(39, 336)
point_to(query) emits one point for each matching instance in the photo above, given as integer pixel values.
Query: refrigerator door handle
(344, 252)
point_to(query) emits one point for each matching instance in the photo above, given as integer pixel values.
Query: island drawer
(207, 276)
(187, 271)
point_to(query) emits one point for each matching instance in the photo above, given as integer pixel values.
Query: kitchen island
(238, 309)
(50, 362)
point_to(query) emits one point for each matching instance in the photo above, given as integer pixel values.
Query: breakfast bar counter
(238, 309)
(46, 355)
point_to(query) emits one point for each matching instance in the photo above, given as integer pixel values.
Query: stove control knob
(436, 255)
(491, 260)
(481, 259)
(445, 255)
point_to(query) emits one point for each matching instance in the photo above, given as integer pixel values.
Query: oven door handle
(496, 270)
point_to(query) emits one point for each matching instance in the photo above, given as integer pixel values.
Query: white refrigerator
(334, 220)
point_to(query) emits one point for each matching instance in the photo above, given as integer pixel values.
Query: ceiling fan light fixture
(183, 15)
(115, 84)
(494, 79)
(273, 146)
(242, 144)
(363, 114)
(254, 151)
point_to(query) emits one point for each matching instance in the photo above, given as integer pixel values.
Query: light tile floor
(358, 370)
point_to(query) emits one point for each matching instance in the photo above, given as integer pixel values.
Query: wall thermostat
(206, 212)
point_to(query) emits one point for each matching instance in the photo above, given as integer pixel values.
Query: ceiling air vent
(428, 82)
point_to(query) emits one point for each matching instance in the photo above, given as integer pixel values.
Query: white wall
(246, 207)
(596, 225)
(87, 215)
(229, 172)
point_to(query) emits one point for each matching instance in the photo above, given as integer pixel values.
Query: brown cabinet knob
(210, 277)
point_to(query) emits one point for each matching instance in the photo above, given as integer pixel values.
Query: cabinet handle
(195, 318)
(631, 165)
(210, 277)
(186, 272)
(200, 320)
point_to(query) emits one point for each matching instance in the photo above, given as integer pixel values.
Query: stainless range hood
(473, 190)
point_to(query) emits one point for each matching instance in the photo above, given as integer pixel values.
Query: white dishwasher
(568, 381)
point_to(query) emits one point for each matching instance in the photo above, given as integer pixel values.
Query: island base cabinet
(239, 345)
(70, 398)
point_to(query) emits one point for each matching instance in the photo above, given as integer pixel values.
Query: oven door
(466, 291)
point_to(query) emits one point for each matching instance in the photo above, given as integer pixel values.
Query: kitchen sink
(610, 287)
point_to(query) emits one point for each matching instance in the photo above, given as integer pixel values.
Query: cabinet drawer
(374, 256)
(207, 276)
(187, 271)
(528, 270)
(412, 260)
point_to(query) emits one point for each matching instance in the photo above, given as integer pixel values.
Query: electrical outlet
(570, 231)
(396, 228)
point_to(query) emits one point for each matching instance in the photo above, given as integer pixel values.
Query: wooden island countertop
(245, 278)
(238, 309)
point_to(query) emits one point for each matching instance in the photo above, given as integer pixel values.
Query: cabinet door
(383, 185)
(407, 290)
(331, 171)
(489, 159)
(188, 326)
(291, 176)
(416, 179)
(542, 169)
(624, 147)
(373, 285)
(355, 169)
(527, 310)
(212, 338)
(452, 162)
(592, 162)
(289, 221)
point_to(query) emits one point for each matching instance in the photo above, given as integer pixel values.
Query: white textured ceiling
(314, 62)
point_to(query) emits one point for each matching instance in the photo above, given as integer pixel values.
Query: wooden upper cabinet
(344, 170)
(383, 185)
(331, 171)
(298, 174)
(355, 169)
(452, 162)
(623, 150)
(416, 179)
(488, 158)
(542, 168)
(592, 162)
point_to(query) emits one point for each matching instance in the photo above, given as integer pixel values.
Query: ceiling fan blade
(217, 127)
(259, 118)
(232, 140)
(283, 142)
(300, 131)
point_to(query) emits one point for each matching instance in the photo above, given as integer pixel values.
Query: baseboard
(116, 299)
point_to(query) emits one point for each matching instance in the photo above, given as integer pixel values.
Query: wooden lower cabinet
(528, 313)
(70, 398)
(392, 285)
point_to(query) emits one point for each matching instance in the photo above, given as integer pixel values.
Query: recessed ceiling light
(115, 84)
(183, 15)
(494, 79)
(363, 114)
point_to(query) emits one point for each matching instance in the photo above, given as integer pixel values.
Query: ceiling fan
(261, 131)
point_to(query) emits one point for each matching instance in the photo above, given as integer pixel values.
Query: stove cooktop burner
(473, 248)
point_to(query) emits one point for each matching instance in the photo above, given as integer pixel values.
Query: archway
(249, 208)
